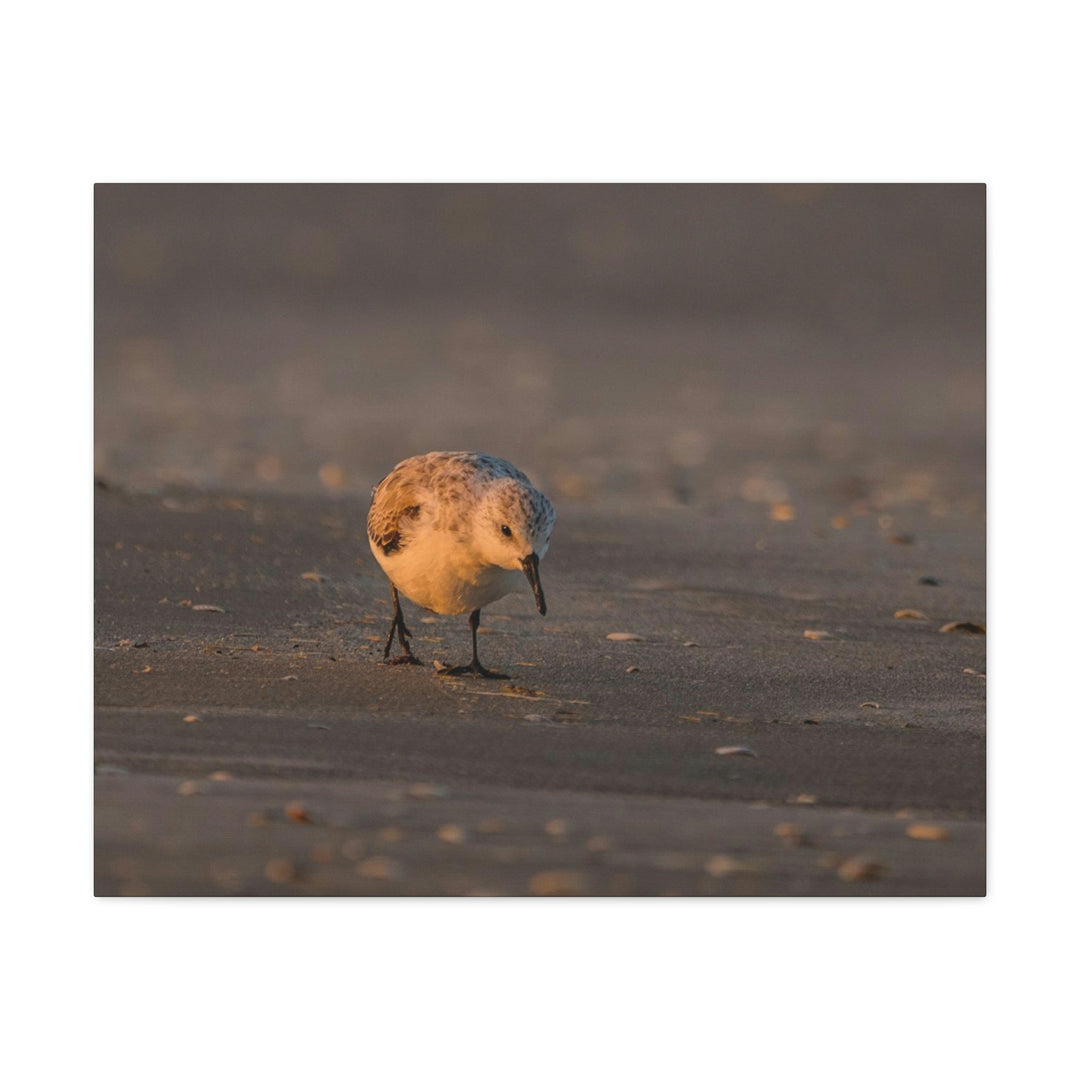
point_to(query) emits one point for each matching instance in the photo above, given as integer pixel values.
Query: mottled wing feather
(393, 505)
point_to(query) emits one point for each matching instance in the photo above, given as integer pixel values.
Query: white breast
(440, 572)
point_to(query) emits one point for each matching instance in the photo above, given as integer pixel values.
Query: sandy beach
(760, 413)
(263, 619)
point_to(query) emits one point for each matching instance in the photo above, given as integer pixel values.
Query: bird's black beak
(531, 566)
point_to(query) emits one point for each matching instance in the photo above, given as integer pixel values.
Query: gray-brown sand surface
(605, 779)
(759, 411)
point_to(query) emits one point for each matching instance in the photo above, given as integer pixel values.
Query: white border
(941, 91)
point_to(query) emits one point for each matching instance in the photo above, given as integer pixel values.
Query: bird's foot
(475, 669)
(404, 658)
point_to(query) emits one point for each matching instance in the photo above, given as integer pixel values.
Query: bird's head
(513, 529)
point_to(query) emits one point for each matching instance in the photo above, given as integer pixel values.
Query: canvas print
(539, 540)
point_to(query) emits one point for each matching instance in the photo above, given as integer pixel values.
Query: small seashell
(298, 812)
(721, 865)
(927, 832)
(207, 607)
(557, 883)
(908, 613)
(427, 791)
(789, 832)
(380, 868)
(280, 871)
(624, 637)
(962, 627)
(859, 869)
(816, 635)
(733, 751)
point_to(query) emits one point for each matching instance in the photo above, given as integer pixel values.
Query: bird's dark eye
(506, 531)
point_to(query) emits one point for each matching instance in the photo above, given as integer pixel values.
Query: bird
(455, 531)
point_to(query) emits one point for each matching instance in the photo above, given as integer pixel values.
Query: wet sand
(579, 776)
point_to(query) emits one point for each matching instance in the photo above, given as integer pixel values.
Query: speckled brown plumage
(454, 531)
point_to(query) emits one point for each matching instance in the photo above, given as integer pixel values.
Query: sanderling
(453, 530)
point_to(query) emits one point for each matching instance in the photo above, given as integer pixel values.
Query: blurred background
(666, 344)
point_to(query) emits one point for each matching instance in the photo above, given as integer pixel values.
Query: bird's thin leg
(403, 634)
(475, 668)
